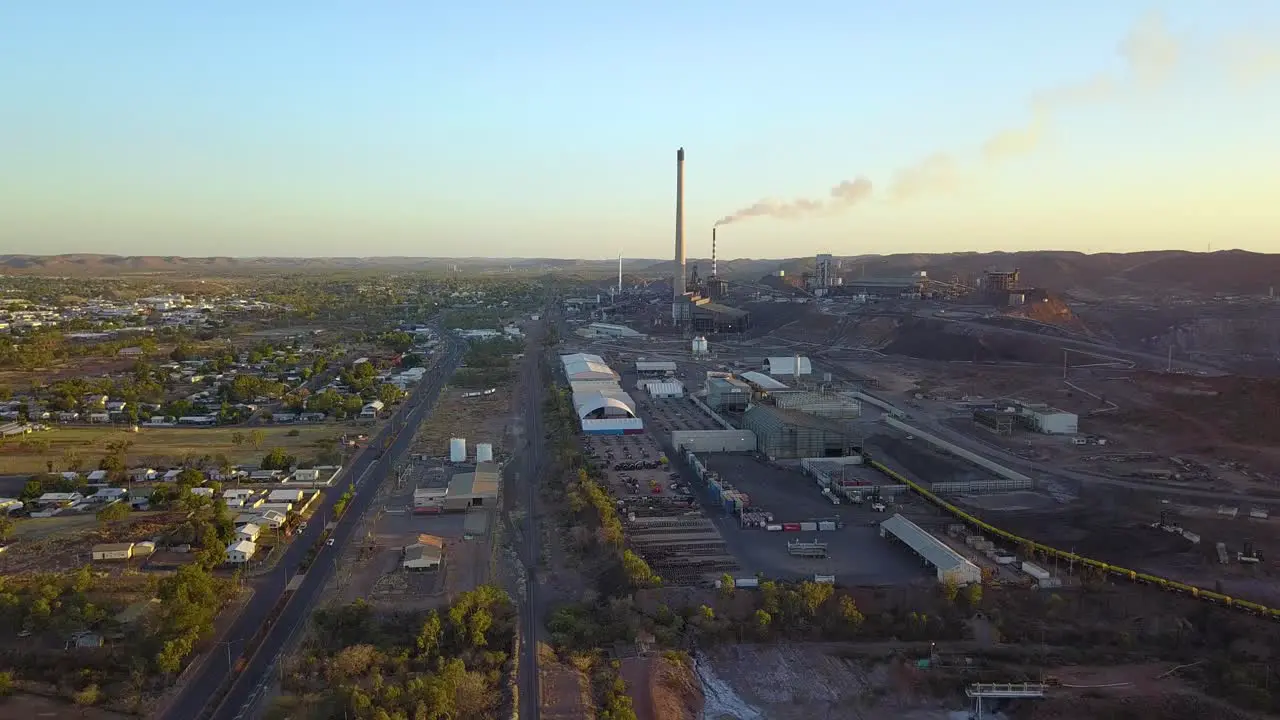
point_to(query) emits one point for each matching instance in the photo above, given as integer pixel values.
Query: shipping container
(1005, 559)
(808, 526)
(825, 579)
(791, 527)
(773, 528)
(826, 525)
(1035, 571)
(748, 582)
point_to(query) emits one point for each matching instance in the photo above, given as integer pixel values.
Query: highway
(199, 697)
(528, 471)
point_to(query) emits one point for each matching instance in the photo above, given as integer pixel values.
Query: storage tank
(457, 450)
(484, 452)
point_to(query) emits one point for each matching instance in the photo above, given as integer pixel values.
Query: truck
(878, 506)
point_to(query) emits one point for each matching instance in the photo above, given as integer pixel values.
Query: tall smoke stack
(714, 274)
(679, 279)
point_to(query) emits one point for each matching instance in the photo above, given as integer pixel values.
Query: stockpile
(681, 549)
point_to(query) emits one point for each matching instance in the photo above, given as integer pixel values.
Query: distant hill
(1102, 274)
(1226, 272)
(93, 265)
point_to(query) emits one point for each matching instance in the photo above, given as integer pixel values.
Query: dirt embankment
(936, 340)
(662, 688)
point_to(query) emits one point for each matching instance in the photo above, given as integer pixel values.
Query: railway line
(1166, 584)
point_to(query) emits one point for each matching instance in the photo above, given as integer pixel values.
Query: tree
(114, 512)
(255, 438)
(727, 585)
(6, 526)
(278, 459)
(849, 612)
(72, 460)
(973, 595)
(389, 394)
(6, 683)
(238, 438)
(87, 697)
(950, 589)
(183, 352)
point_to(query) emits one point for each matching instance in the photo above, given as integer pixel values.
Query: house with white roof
(241, 551)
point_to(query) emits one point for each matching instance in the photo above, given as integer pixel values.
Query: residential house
(370, 411)
(59, 499)
(116, 406)
(171, 475)
(108, 495)
(307, 475)
(311, 417)
(99, 417)
(249, 531)
(241, 551)
(284, 418)
(202, 491)
(97, 476)
(264, 476)
(142, 474)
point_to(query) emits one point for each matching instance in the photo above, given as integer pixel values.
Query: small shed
(113, 551)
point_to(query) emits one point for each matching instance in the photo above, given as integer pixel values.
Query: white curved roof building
(601, 404)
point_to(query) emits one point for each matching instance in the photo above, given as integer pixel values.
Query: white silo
(457, 450)
(695, 348)
(484, 452)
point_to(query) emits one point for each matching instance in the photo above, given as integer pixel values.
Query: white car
(878, 507)
(329, 541)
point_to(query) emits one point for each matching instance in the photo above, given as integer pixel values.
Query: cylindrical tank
(696, 347)
(457, 450)
(484, 452)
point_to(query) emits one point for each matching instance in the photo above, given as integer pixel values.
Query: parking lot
(856, 553)
(634, 464)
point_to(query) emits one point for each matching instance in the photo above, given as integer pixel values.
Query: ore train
(1133, 575)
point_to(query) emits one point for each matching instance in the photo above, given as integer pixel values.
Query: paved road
(369, 467)
(528, 471)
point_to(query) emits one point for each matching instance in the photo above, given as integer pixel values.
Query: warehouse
(951, 566)
(602, 406)
(655, 368)
(728, 393)
(659, 389)
(788, 365)
(789, 434)
(473, 489)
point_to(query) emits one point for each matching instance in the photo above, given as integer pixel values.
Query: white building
(284, 496)
(249, 531)
(429, 497)
(788, 365)
(241, 551)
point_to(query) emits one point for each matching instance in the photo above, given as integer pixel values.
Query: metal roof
(925, 545)
(762, 380)
(655, 366)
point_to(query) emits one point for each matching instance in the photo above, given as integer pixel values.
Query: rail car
(1113, 570)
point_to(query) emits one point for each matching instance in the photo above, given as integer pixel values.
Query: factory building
(602, 406)
(999, 285)
(789, 434)
(728, 393)
(913, 286)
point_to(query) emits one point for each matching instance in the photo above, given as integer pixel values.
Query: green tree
(238, 438)
(278, 459)
(727, 585)
(849, 612)
(88, 697)
(256, 437)
(6, 526)
(973, 595)
(6, 683)
(114, 512)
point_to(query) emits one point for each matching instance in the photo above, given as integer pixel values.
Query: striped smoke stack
(677, 281)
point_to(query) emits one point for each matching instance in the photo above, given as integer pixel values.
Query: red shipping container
(791, 527)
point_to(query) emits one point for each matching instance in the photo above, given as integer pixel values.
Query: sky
(549, 129)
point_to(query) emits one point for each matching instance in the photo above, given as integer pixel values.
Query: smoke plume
(1151, 56)
(845, 195)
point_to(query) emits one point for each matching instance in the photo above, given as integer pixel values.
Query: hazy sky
(431, 127)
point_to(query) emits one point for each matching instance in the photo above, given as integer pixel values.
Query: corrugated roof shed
(655, 366)
(762, 381)
(934, 551)
(786, 365)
